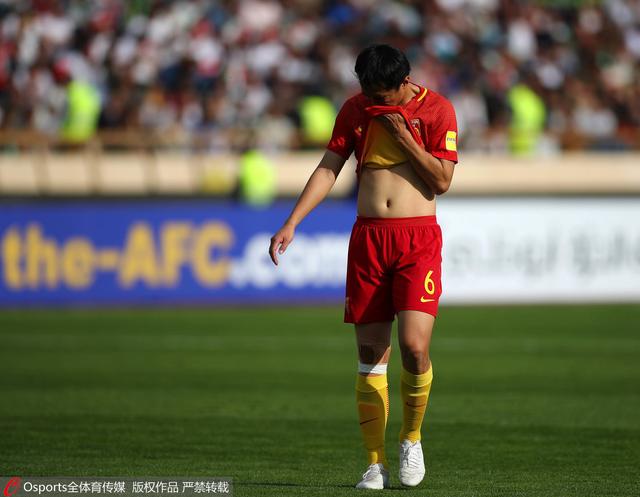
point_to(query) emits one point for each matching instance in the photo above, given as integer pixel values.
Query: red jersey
(431, 116)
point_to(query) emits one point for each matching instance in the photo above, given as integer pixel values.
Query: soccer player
(404, 139)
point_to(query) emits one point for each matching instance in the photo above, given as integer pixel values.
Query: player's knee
(415, 352)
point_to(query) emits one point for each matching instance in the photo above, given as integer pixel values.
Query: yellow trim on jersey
(424, 94)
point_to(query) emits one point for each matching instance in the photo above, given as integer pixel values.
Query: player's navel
(388, 203)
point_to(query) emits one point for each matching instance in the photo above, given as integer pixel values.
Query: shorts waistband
(397, 221)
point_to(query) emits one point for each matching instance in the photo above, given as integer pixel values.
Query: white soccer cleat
(411, 463)
(375, 478)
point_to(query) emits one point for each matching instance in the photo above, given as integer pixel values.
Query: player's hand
(394, 123)
(280, 241)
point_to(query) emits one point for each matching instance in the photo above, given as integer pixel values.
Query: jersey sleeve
(443, 135)
(343, 137)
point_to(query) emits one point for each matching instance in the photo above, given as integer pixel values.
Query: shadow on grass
(305, 485)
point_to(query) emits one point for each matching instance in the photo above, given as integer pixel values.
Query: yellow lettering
(207, 271)
(11, 255)
(429, 285)
(77, 263)
(139, 261)
(174, 236)
(107, 259)
(40, 254)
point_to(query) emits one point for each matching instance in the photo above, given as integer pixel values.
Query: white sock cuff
(379, 368)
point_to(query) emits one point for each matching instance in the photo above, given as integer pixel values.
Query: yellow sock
(372, 396)
(414, 389)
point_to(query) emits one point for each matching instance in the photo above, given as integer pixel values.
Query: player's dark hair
(382, 67)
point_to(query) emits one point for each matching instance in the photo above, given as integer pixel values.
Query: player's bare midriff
(394, 192)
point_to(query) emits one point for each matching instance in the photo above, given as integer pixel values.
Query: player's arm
(435, 172)
(316, 189)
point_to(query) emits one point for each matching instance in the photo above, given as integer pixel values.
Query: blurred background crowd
(525, 77)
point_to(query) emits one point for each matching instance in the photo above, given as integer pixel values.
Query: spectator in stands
(214, 69)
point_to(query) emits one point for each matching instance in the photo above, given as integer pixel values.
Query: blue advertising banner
(167, 252)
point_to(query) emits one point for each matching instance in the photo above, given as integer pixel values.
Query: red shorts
(393, 265)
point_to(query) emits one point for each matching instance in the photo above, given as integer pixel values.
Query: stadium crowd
(526, 76)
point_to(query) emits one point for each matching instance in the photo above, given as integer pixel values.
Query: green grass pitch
(526, 401)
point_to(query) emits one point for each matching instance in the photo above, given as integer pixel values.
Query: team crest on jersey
(358, 130)
(415, 123)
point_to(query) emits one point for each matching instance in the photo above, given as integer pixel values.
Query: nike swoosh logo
(422, 299)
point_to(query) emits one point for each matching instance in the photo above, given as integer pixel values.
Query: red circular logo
(12, 486)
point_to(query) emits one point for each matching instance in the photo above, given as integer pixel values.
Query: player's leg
(416, 293)
(372, 396)
(369, 306)
(414, 337)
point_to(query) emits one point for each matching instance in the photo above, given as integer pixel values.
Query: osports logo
(12, 486)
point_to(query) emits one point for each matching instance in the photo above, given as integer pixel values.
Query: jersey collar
(417, 98)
